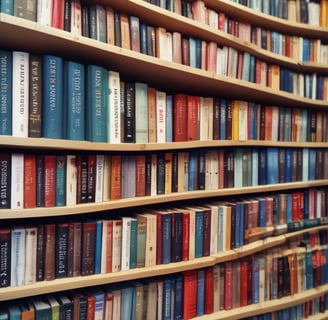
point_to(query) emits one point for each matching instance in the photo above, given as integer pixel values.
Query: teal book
(75, 100)
(199, 229)
(133, 243)
(7, 6)
(141, 112)
(98, 247)
(97, 104)
(52, 108)
(4, 315)
(14, 312)
(42, 309)
(127, 294)
(6, 65)
(60, 180)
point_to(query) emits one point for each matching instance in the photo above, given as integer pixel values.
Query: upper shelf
(27, 35)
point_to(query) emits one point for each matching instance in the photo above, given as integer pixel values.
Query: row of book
(303, 11)
(264, 276)
(79, 108)
(59, 249)
(297, 47)
(48, 180)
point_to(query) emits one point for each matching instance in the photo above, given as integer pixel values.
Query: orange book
(268, 123)
(168, 172)
(274, 77)
(115, 185)
(110, 25)
(57, 18)
(152, 115)
(193, 121)
(125, 31)
(140, 175)
(29, 180)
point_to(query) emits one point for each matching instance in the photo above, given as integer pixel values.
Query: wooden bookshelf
(133, 66)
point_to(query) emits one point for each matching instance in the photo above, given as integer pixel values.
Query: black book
(129, 113)
(61, 250)
(5, 181)
(160, 173)
(40, 180)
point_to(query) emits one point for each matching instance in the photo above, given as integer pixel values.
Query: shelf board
(28, 34)
(18, 143)
(154, 200)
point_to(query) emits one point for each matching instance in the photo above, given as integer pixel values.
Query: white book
(17, 181)
(205, 118)
(212, 170)
(44, 11)
(100, 162)
(20, 94)
(153, 185)
(116, 304)
(30, 254)
(116, 245)
(213, 19)
(141, 112)
(17, 276)
(214, 229)
(169, 49)
(126, 238)
(114, 114)
(160, 116)
(238, 168)
(76, 17)
(71, 180)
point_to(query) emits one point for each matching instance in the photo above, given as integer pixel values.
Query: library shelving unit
(24, 35)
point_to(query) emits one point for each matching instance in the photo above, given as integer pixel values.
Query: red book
(140, 175)
(268, 123)
(91, 306)
(185, 235)
(159, 238)
(29, 181)
(189, 294)
(115, 185)
(185, 51)
(228, 285)
(209, 290)
(91, 177)
(222, 21)
(296, 206)
(211, 56)
(49, 180)
(57, 18)
(88, 248)
(243, 282)
(180, 117)
(193, 118)
(108, 238)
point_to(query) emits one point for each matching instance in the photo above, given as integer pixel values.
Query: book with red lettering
(49, 180)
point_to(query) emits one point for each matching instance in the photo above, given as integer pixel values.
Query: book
(96, 104)
(114, 114)
(20, 93)
(180, 117)
(30, 254)
(88, 247)
(42, 309)
(129, 113)
(6, 94)
(116, 245)
(52, 97)
(17, 181)
(5, 256)
(50, 180)
(74, 100)
(141, 112)
(17, 256)
(97, 23)
(54, 305)
(189, 294)
(7, 7)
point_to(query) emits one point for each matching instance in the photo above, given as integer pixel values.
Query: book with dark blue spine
(61, 250)
(167, 290)
(192, 174)
(223, 110)
(308, 270)
(200, 292)
(262, 166)
(75, 100)
(166, 242)
(143, 38)
(312, 164)
(6, 92)
(176, 238)
(52, 97)
(288, 164)
(133, 243)
(97, 104)
(178, 298)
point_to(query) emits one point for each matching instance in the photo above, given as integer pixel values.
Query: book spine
(6, 69)
(5, 181)
(5, 257)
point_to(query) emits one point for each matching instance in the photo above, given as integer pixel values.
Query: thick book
(20, 93)
(96, 104)
(74, 100)
(6, 92)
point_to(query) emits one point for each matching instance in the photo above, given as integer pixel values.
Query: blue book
(97, 104)
(306, 49)
(256, 280)
(320, 86)
(169, 118)
(166, 234)
(52, 108)
(288, 164)
(262, 167)
(133, 243)
(192, 174)
(192, 52)
(6, 66)
(199, 230)
(223, 115)
(308, 270)
(178, 298)
(4, 315)
(143, 38)
(14, 312)
(127, 294)
(289, 209)
(262, 212)
(200, 292)
(61, 180)
(312, 164)
(7, 6)
(166, 313)
(75, 100)
(251, 77)
(272, 165)
(198, 53)
(98, 246)
(252, 112)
